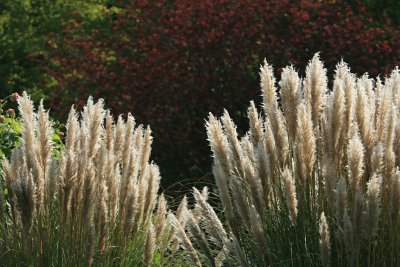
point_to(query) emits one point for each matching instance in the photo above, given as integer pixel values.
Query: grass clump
(315, 181)
(95, 204)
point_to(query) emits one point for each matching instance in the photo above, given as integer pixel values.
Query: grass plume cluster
(95, 204)
(315, 181)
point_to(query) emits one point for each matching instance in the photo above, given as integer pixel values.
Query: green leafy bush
(10, 131)
(24, 30)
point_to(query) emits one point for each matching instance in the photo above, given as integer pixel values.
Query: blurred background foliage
(170, 62)
(24, 28)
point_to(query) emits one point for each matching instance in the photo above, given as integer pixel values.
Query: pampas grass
(315, 180)
(93, 205)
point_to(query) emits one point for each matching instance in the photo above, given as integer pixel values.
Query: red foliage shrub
(171, 62)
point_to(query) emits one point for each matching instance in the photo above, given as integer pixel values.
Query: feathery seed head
(305, 142)
(268, 86)
(256, 126)
(315, 87)
(336, 107)
(324, 241)
(290, 190)
(218, 141)
(150, 245)
(395, 84)
(376, 158)
(373, 205)
(291, 94)
(355, 160)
